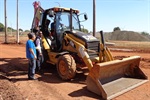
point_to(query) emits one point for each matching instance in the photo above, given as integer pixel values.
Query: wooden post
(17, 34)
(94, 17)
(5, 21)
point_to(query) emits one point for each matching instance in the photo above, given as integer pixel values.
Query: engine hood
(86, 37)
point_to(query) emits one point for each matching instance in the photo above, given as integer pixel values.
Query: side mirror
(85, 16)
(82, 17)
(51, 13)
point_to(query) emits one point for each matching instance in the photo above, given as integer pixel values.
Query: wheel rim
(62, 67)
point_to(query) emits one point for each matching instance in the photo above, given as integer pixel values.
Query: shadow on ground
(11, 67)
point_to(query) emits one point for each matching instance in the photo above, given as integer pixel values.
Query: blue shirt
(30, 44)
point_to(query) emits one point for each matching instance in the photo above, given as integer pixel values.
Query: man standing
(31, 55)
(39, 47)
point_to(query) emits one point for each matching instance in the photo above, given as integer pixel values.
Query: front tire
(66, 67)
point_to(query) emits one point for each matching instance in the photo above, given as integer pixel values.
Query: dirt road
(15, 86)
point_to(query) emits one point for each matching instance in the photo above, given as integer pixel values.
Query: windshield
(75, 22)
(63, 21)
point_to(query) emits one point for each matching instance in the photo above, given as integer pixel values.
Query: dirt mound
(8, 91)
(125, 36)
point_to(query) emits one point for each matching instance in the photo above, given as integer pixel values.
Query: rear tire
(66, 67)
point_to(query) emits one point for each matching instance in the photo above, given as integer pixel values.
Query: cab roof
(63, 9)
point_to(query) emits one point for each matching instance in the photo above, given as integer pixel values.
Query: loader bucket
(113, 78)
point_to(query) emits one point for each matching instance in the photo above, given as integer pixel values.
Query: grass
(132, 44)
(11, 38)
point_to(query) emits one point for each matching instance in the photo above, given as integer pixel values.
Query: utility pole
(17, 34)
(94, 17)
(5, 21)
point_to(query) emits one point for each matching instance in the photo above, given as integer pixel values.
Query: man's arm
(38, 47)
(31, 50)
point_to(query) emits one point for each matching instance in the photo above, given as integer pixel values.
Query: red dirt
(15, 86)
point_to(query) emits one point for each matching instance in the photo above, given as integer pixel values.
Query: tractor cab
(57, 20)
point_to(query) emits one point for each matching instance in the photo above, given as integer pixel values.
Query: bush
(117, 29)
(1, 27)
(144, 33)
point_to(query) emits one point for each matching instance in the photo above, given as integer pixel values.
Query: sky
(131, 15)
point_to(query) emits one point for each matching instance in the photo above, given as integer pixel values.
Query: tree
(117, 29)
(1, 27)
(27, 31)
(20, 30)
(84, 30)
(9, 29)
(144, 33)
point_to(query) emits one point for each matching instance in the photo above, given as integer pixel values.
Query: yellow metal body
(107, 77)
(113, 78)
(80, 50)
(52, 55)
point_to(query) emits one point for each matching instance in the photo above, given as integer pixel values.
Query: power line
(58, 3)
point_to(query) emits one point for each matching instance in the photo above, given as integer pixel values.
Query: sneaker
(32, 78)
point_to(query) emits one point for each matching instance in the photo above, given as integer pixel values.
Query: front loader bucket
(113, 78)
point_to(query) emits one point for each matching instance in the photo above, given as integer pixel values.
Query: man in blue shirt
(31, 55)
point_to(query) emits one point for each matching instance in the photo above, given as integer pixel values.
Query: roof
(58, 9)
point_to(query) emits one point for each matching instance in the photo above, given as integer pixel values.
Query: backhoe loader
(67, 47)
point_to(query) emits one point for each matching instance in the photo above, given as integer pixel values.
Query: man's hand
(40, 54)
(35, 57)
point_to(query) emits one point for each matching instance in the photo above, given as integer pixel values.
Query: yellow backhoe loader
(67, 47)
